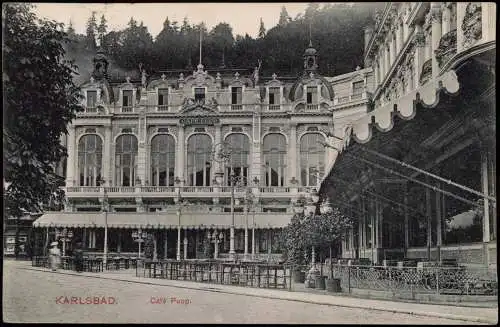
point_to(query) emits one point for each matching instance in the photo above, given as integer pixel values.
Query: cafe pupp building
(145, 155)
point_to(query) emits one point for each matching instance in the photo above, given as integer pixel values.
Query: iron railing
(242, 274)
(425, 280)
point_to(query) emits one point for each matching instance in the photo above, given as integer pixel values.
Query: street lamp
(222, 154)
(181, 203)
(105, 211)
(139, 236)
(216, 239)
(65, 236)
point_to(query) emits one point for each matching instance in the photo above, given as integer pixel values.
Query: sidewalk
(479, 315)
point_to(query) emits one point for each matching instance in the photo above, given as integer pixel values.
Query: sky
(243, 17)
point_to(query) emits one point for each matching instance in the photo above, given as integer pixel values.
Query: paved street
(42, 296)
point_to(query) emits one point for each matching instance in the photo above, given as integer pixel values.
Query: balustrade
(274, 107)
(275, 189)
(236, 107)
(312, 107)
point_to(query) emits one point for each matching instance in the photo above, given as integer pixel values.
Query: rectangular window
(199, 94)
(236, 95)
(125, 209)
(127, 101)
(162, 99)
(274, 95)
(312, 95)
(91, 99)
(357, 87)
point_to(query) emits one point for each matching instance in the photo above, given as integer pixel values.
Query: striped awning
(157, 220)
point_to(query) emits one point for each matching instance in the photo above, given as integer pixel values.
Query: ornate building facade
(143, 155)
(420, 171)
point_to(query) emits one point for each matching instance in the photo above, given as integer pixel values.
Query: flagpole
(200, 41)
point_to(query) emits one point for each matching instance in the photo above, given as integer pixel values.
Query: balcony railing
(275, 189)
(158, 189)
(236, 107)
(312, 106)
(193, 189)
(90, 109)
(127, 109)
(274, 107)
(172, 189)
(162, 107)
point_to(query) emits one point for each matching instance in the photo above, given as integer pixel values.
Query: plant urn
(333, 285)
(320, 282)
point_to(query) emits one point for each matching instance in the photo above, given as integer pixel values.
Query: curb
(276, 297)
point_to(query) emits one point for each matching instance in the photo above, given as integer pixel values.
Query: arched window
(162, 160)
(312, 158)
(89, 159)
(126, 160)
(275, 159)
(199, 152)
(240, 157)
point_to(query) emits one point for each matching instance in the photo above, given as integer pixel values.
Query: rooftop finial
(201, 26)
(310, 35)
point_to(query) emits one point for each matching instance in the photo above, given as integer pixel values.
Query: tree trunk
(16, 244)
(331, 265)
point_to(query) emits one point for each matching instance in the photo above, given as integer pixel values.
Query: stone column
(445, 22)
(488, 21)
(256, 150)
(106, 158)
(419, 54)
(179, 168)
(178, 254)
(141, 153)
(436, 16)
(372, 229)
(72, 157)
(428, 212)
(165, 244)
(185, 249)
(388, 59)
(461, 6)
(406, 221)
(292, 151)
(394, 46)
(399, 38)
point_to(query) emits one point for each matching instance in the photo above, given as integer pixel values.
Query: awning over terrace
(160, 220)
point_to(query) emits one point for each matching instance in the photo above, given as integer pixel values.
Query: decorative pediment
(158, 83)
(127, 85)
(200, 78)
(192, 108)
(275, 82)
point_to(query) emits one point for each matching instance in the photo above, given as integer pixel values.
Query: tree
(91, 31)
(40, 99)
(284, 17)
(101, 31)
(262, 29)
(326, 230)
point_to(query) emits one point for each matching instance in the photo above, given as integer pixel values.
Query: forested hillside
(336, 31)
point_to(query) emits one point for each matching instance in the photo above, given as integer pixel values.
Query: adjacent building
(418, 173)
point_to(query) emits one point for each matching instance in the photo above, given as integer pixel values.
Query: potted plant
(325, 230)
(293, 239)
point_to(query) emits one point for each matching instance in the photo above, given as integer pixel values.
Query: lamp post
(222, 154)
(105, 211)
(249, 200)
(139, 236)
(216, 239)
(181, 204)
(64, 236)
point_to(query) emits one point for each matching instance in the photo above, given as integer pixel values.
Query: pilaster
(179, 168)
(436, 18)
(256, 149)
(72, 153)
(107, 157)
(292, 151)
(419, 54)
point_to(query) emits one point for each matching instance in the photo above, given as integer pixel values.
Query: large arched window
(312, 158)
(274, 159)
(240, 157)
(162, 160)
(126, 160)
(199, 152)
(89, 159)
